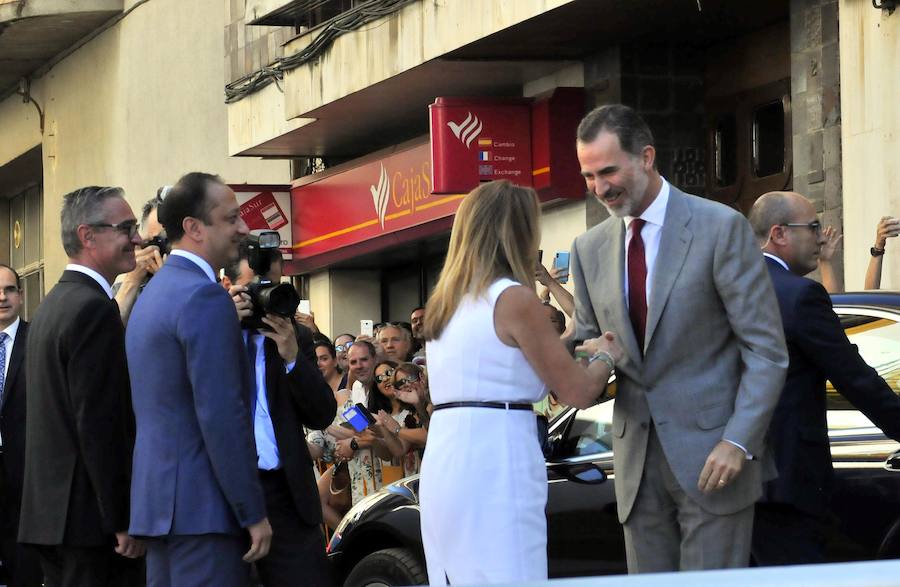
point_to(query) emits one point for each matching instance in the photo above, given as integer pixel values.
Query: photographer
(289, 392)
(148, 258)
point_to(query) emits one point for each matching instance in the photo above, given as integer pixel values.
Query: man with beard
(681, 279)
(195, 492)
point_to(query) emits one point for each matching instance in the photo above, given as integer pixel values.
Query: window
(590, 433)
(768, 139)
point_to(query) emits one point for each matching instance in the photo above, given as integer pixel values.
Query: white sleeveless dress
(483, 486)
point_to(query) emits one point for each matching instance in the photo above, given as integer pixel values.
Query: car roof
(873, 298)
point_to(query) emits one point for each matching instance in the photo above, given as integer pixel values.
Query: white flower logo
(380, 195)
(467, 130)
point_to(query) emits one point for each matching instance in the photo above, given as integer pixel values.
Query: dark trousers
(206, 559)
(784, 535)
(21, 562)
(88, 566)
(297, 555)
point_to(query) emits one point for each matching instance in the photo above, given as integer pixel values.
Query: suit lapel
(617, 315)
(16, 358)
(674, 243)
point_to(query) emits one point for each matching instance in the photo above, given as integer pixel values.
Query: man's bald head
(774, 209)
(786, 225)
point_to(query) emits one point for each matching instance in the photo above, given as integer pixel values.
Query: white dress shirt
(778, 260)
(654, 216)
(93, 275)
(11, 331)
(198, 261)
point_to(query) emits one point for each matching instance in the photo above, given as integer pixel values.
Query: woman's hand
(386, 422)
(607, 342)
(832, 238)
(409, 394)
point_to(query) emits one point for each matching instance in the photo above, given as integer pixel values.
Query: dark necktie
(637, 282)
(3, 337)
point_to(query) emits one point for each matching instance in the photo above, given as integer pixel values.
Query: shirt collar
(93, 275)
(656, 211)
(776, 259)
(12, 329)
(198, 261)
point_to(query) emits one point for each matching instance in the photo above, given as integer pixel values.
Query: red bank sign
(357, 204)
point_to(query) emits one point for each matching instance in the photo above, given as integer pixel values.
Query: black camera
(160, 241)
(266, 296)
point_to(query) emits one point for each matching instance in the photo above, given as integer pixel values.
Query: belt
(494, 405)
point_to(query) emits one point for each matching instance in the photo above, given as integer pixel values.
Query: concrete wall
(137, 107)
(870, 132)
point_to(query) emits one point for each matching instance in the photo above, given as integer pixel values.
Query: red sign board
(374, 199)
(479, 139)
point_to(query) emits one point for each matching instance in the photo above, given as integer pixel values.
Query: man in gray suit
(681, 279)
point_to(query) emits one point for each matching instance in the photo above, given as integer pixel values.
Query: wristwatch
(876, 252)
(354, 445)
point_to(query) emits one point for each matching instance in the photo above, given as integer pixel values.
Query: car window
(589, 433)
(878, 341)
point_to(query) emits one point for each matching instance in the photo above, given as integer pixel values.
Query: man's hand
(342, 449)
(241, 300)
(888, 227)
(723, 464)
(283, 334)
(260, 540)
(832, 238)
(128, 546)
(308, 320)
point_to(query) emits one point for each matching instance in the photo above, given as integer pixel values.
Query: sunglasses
(384, 377)
(128, 227)
(402, 381)
(343, 347)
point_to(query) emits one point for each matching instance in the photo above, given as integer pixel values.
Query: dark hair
(187, 198)
(328, 346)
(620, 120)
(557, 313)
(416, 310)
(340, 335)
(83, 206)
(14, 272)
(368, 345)
(233, 271)
(152, 204)
(377, 400)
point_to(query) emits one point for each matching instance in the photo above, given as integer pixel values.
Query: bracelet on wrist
(605, 357)
(876, 252)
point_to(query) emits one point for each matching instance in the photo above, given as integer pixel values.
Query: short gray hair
(83, 206)
(770, 209)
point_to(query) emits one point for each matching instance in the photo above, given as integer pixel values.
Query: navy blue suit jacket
(195, 458)
(819, 351)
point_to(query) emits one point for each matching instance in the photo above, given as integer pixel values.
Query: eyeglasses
(401, 382)
(128, 227)
(344, 347)
(815, 226)
(384, 377)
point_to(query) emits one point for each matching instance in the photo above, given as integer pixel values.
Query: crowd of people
(172, 433)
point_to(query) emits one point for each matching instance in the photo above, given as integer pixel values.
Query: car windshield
(590, 432)
(878, 340)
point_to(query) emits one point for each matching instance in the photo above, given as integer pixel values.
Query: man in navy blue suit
(195, 489)
(790, 518)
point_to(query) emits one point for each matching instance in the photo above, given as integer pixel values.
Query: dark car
(379, 543)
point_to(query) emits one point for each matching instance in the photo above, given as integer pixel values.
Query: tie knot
(3, 337)
(637, 224)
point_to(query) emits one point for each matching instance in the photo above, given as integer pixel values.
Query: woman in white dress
(491, 350)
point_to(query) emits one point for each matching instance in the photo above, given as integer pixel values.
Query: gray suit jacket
(714, 357)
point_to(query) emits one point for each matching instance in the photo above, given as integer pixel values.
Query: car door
(865, 509)
(584, 534)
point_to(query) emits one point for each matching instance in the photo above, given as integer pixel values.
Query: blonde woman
(491, 353)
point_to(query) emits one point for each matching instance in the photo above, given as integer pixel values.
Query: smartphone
(561, 262)
(366, 328)
(358, 417)
(303, 307)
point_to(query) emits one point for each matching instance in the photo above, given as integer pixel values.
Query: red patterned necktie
(637, 282)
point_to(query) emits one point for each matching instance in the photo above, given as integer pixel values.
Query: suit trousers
(297, 554)
(205, 559)
(88, 566)
(668, 531)
(784, 535)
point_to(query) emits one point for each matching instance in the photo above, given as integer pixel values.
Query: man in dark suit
(195, 485)
(289, 393)
(79, 426)
(790, 517)
(23, 569)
